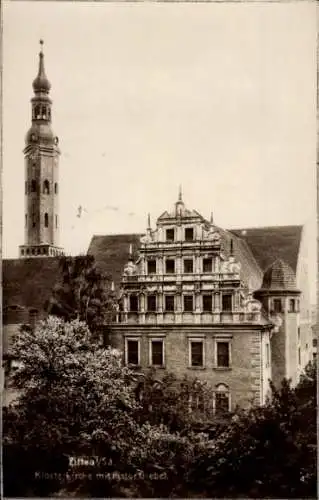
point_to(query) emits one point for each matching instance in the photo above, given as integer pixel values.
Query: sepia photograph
(159, 249)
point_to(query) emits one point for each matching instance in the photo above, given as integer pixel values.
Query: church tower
(41, 152)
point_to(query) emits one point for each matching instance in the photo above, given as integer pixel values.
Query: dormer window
(188, 266)
(227, 302)
(188, 303)
(151, 267)
(189, 234)
(170, 234)
(292, 305)
(207, 265)
(170, 266)
(277, 305)
(133, 303)
(151, 303)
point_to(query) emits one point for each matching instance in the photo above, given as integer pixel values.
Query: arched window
(26, 187)
(33, 186)
(56, 221)
(56, 188)
(222, 399)
(37, 112)
(43, 112)
(28, 251)
(46, 187)
(22, 252)
(26, 220)
(46, 220)
(49, 114)
(32, 251)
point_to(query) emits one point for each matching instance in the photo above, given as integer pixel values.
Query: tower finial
(41, 83)
(180, 193)
(148, 221)
(211, 218)
(130, 251)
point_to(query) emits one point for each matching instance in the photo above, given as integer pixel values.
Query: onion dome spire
(41, 82)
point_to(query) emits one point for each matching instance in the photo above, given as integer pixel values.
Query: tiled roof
(111, 253)
(279, 276)
(250, 271)
(270, 243)
(27, 283)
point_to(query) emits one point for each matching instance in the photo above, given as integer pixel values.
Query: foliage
(78, 400)
(83, 293)
(268, 451)
(180, 404)
(76, 395)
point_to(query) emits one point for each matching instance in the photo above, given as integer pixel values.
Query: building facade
(229, 307)
(41, 153)
(186, 307)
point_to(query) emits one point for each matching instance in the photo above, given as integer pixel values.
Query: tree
(268, 451)
(180, 404)
(83, 293)
(76, 398)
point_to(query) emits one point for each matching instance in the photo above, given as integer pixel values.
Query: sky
(219, 97)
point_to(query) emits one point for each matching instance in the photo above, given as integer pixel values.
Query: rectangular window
(188, 266)
(189, 234)
(267, 355)
(223, 354)
(169, 303)
(188, 303)
(314, 342)
(277, 305)
(151, 302)
(227, 302)
(157, 352)
(197, 358)
(292, 305)
(170, 266)
(151, 267)
(133, 303)
(207, 265)
(299, 356)
(207, 303)
(221, 403)
(170, 234)
(132, 352)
